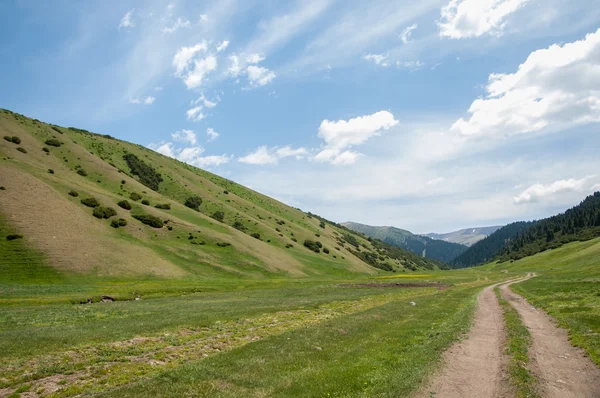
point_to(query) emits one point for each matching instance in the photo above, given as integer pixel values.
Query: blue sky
(431, 116)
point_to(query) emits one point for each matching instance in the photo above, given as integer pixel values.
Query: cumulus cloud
(264, 155)
(184, 136)
(406, 33)
(212, 134)
(195, 114)
(193, 64)
(259, 76)
(192, 155)
(146, 101)
(472, 18)
(538, 192)
(127, 20)
(557, 87)
(341, 135)
(203, 18)
(412, 65)
(179, 23)
(379, 59)
(221, 47)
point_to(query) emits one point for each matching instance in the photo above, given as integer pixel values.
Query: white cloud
(254, 58)
(555, 88)
(179, 23)
(379, 59)
(263, 155)
(259, 76)
(184, 56)
(539, 192)
(191, 155)
(235, 69)
(203, 18)
(202, 67)
(184, 136)
(221, 47)
(127, 20)
(206, 102)
(195, 114)
(412, 65)
(407, 32)
(146, 101)
(473, 18)
(212, 134)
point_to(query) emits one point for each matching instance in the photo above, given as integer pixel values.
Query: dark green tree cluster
(581, 222)
(194, 202)
(150, 220)
(146, 173)
(486, 249)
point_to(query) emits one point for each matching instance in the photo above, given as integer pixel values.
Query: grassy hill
(466, 236)
(421, 245)
(157, 217)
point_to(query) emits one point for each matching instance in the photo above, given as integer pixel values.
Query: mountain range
(467, 236)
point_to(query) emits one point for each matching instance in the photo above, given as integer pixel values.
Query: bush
(223, 244)
(123, 182)
(14, 236)
(312, 245)
(148, 176)
(239, 226)
(2, 188)
(255, 235)
(322, 224)
(226, 192)
(82, 172)
(124, 205)
(104, 212)
(46, 150)
(325, 250)
(122, 222)
(90, 202)
(22, 150)
(14, 139)
(8, 138)
(170, 228)
(294, 240)
(73, 193)
(193, 202)
(56, 129)
(50, 171)
(164, 206)
(53, 142)
(114, 223)
(146, 202)
(218, 215)
(147, 219)
(135, 196)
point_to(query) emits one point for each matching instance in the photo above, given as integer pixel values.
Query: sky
(431, 116)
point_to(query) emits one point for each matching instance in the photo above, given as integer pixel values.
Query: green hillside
(421, 245)
(92, 205)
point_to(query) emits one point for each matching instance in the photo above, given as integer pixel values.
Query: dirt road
(563, 371)
(477, 367)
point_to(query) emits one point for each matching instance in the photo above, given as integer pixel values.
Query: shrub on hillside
(53, 142)
(90, 202)
(104, 212)
(238, 225)
(73, 193)
(56, 129)
(46, 150)
(325, 250)
(255, 235)
(23, 150)
(312, 245)
(223, 244)
(2, 188)
(121, 222)
(14, 139)
(163, 206)
(82, 172)
(135, 196)
(193, 202)
(146, 202)
(14, 236)
(114, 223)
(218, 215)
(8, 138)
(322, 224)
(146, 173)
(124, 205)
(147, 219)
(50, 171)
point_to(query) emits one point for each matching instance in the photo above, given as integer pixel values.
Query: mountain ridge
(465, 236)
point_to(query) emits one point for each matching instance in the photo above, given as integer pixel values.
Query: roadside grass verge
(517, 347)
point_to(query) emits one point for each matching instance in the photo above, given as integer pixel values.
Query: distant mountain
(421, 245)
(487, 248)
(467, 236)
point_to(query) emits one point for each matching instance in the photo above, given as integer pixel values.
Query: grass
(517, 347)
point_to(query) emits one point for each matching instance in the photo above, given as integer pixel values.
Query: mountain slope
(421, 245)
(486, 249)
(467, 236)
(229, 232)
(581, 222)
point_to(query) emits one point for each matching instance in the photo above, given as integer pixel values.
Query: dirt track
(477, 367)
